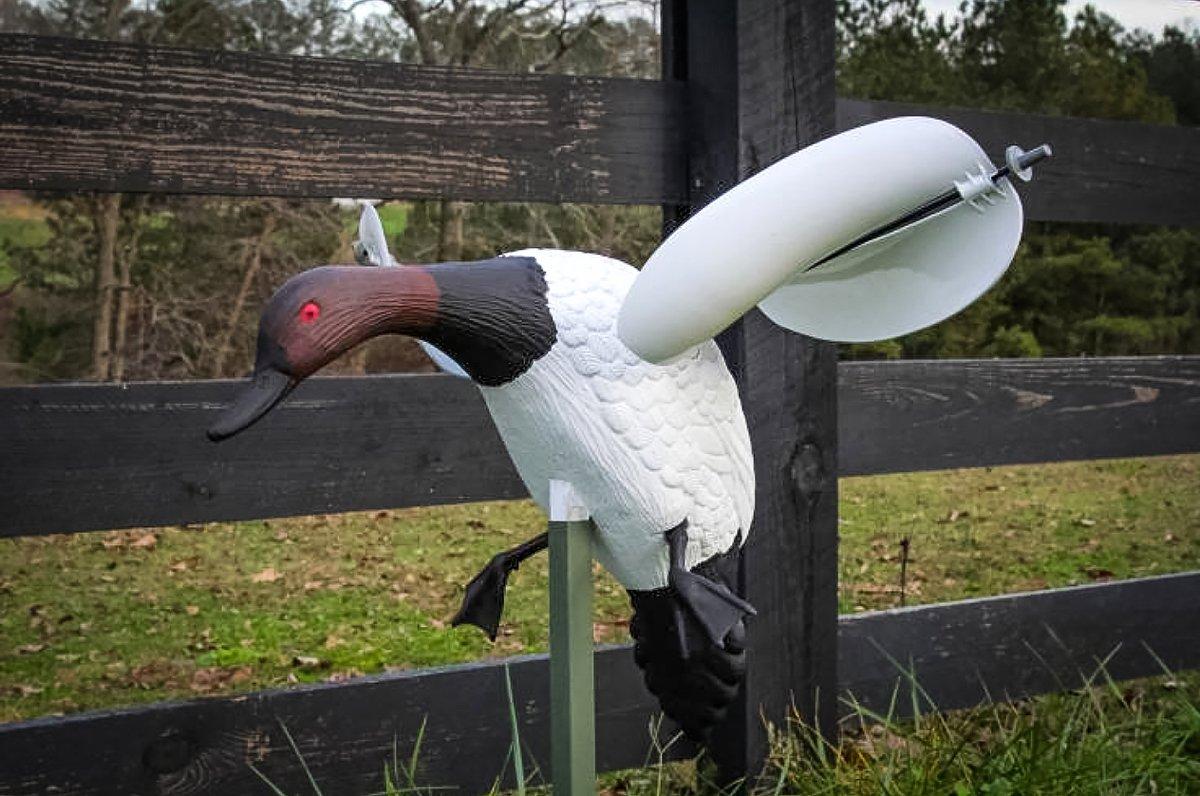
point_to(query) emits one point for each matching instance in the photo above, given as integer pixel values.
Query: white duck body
(645, 446)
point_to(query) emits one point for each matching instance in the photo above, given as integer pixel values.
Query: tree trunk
(112, 17)
(254, 263)
(106, 218)
(450, 230)
(125, 290)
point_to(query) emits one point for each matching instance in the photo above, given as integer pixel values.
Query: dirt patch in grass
(103, 619)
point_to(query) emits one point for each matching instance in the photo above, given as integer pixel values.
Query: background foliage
(169, 287)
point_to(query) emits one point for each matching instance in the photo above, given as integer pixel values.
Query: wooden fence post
(789, 383)
(760, 86)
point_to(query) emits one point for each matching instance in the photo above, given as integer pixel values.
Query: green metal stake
(572, 689)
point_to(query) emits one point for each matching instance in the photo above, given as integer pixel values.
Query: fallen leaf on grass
(1085, 522)
(309, 662)
(874, 588)
(1170, 538)
(212, 678)
(341, 677)
(145, 542)
(155, 674)
(30, 649)
(604, 631)
(191, 610)
(268, 575)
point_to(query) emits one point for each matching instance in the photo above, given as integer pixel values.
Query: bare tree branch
(253, 264)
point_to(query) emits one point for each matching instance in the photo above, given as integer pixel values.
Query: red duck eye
(310, 312)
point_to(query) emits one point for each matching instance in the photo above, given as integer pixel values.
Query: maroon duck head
(489, 316)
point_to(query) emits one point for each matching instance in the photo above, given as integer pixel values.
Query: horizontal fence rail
(933, 415)
(960, 654)
(136, 455)
(92, 115)
(1105, 171)
(1012, 646)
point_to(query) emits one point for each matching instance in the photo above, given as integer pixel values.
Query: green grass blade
(274, 788)
(517, 757)
(303, 764)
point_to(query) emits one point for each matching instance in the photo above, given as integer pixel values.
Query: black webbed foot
(690, 638)
(712, 604)
(483, 602)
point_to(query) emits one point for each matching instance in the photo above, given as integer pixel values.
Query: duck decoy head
(316, 317)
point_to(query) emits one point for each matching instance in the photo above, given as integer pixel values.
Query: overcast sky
(1150, 15)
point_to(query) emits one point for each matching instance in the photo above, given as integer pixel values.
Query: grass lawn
(1129, 738)
(104, 619)
(1140, 737)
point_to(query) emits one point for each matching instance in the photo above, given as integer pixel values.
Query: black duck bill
(490, 316)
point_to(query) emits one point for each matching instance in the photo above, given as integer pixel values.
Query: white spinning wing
(789, 240)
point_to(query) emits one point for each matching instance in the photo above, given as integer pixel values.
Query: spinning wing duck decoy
(609, 379)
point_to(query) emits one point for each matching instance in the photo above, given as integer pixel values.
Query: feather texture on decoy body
(660, 454)
(645, 446)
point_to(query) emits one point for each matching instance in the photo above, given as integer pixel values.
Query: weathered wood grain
(91, 115)
(698, 50)
(92, 457)
(1016, 645)
(961, 654)
(788, 384)
(346, 733)
(905, 416)
(136, 454)
(1102, 170)
(105, 116)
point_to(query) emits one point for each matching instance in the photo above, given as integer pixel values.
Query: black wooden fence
(745, 83)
